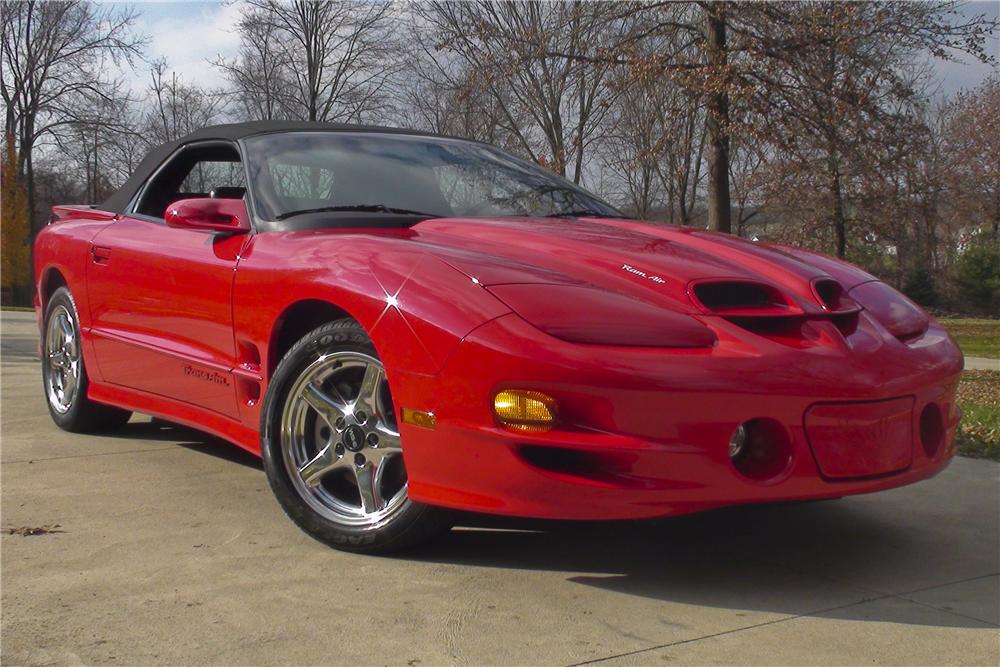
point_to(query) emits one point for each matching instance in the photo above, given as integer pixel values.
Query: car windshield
(298, 173)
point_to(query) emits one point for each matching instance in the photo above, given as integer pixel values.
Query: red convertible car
(401, 323)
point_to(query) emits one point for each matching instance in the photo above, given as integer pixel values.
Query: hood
(650, 262)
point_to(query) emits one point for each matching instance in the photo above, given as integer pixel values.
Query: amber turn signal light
(525, 411)
(419, 418)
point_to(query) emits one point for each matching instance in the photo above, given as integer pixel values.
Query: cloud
(189, 35)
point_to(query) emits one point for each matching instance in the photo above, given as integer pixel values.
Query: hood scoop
(733, 298)
(767, 311)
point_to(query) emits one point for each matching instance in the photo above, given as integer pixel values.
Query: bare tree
(459, 106)
(654, 146)
(833, 84)
(259, 72)
(95, 140)
(326, 60)
(538, 62)
(971, 137)
(747, 165)
(55, 55)
(773, 59)
(176, 108)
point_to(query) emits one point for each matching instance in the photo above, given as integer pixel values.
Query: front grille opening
(738, 295)
(600, 468)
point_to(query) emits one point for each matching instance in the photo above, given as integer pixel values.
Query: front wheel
(332, 449)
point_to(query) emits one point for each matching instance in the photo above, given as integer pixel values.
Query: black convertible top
(117, 202)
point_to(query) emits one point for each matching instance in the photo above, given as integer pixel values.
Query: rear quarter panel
(63, 247)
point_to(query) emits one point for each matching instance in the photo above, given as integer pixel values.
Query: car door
(161, 297)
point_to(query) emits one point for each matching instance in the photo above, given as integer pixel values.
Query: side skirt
(182, 413)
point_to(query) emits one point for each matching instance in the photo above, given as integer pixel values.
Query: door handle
(100, 254)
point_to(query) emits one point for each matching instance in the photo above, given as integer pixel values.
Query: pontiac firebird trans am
(400, 323)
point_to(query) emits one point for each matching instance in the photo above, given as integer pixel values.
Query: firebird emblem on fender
(208, 376)
(642, 274)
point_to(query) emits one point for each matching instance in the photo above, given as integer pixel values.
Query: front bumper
(645, 432)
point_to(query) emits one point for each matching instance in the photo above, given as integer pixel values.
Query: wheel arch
(52, 279)
(295, 321)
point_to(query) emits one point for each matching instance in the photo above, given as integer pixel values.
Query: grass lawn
(979, 397)
(977, 338)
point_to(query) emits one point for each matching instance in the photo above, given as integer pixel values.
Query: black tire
(82, 415)
(412, 524)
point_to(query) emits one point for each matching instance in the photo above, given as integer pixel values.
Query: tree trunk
(839, 220)
(995, 232)
(717, 122)
(23, 293)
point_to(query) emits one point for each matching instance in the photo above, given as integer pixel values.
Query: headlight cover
(580, 314)
(903, 318)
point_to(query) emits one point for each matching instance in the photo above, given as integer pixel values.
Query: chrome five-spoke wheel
(340, 440)
(332, 449)
(62, 354)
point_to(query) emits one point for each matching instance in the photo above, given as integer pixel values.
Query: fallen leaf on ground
(26, 531)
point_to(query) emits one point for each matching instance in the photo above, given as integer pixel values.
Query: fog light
(760, 449)
(521, 410)
(738, 441)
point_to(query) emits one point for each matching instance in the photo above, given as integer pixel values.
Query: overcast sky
(188, 34)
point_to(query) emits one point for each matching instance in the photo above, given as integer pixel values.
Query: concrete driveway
(171, 550)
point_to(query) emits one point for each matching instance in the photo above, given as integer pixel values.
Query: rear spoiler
(64, 212)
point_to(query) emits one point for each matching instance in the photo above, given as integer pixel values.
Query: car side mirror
(208, 215)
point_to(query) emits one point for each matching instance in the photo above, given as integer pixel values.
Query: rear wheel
(332, 449)
(64, 376)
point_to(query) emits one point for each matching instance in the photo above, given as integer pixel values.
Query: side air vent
(738, 298)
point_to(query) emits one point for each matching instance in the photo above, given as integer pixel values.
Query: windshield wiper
(578, 213)
(361, 208)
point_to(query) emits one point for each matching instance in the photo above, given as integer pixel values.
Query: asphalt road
(170, 550)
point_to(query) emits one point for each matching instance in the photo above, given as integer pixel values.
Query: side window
(192, 173)
(208, 175)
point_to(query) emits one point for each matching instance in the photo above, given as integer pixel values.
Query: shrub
(920, 286)
(977, 274)
(14, 270)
